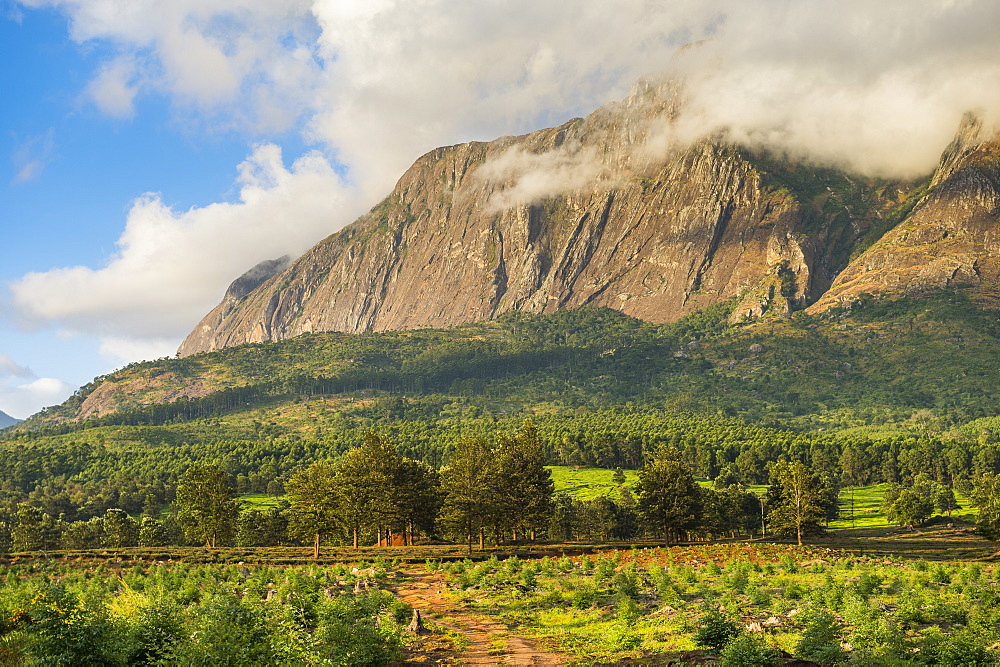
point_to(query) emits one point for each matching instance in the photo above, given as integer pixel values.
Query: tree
(313, 502)
(986, 496)
(416, 491)
(669, 498)
(33, 530)
(909, 507)
(944, 499)
(524, 486)
(206, 504)
(796, 500)
(468, 485)
(364, 481)
(120, 530)
(151, 532)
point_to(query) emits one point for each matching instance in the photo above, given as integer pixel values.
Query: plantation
(178, 614)
(814, 604)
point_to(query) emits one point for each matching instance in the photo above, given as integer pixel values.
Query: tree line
(491, 490)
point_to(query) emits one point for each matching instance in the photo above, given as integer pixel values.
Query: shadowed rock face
(951, 237)
(602, 211)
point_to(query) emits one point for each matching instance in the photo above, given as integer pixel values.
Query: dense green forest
(878, 392)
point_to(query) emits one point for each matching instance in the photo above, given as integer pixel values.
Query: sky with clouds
(153, 151)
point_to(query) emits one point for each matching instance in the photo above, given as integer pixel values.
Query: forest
(404, 439)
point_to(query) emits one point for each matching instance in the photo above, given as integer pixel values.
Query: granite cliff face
(606, 211)
(950, 239)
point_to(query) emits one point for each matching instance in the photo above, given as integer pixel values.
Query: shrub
(748, 651)
(628, 611)
(963, 648)
(715, 631)
(821, 638)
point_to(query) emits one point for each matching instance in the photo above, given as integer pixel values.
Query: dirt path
(490, 643)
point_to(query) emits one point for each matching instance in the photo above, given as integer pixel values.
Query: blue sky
(152, 151)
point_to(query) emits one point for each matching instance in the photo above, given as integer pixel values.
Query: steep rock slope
(600, 211)
(951, 238)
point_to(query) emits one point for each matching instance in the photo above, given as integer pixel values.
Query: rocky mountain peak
(610, 210)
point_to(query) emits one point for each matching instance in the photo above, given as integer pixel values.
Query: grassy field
(260, 501)
(588, 483)
(652, 605)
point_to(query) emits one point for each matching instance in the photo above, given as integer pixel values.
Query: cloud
(22, 393)
(877, 87)
(31, 157)
(113, 90)
(525, 177)
(171, 267)
(234, 62)
(8, 368)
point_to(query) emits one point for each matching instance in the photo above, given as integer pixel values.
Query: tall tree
(669, 498)
(417, 493)
(986, 496)
(314, 503)
(524, 485)
(364, 483)
(468, 483)
(795, 499)
(206, 504)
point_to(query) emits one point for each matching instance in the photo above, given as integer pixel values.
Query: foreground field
(900, 597)
(753, 604)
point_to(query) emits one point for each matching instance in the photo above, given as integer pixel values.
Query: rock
(654, 234)
(416, 625)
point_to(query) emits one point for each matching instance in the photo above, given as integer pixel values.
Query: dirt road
(489, 643)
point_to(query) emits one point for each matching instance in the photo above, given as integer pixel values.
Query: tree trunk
(470, 542)
(482, 539)
(355, 531)
(378, 536)
(316, 547)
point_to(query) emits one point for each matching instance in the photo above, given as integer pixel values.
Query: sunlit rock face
(614, 210)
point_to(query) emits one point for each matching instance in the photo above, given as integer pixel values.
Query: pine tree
(524, 484)
(206, 504)
(669, 498)
(469, 486)
(986, 496)
(313, 502)
(363, 482)
(795, 500)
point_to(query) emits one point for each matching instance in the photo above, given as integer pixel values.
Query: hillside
(601, 211)
(878, 361)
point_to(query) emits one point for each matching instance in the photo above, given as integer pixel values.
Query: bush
(962, 648)
(748, 651)
(715, 631)
(821, 638)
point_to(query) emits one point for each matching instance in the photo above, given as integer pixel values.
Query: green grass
(867, 513)
(260, 501)
(649, 604)
(588, 483)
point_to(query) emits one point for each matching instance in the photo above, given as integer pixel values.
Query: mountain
(951, 238)
(601, 211)
(6, 420)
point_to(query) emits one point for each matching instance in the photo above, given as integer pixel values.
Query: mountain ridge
(599, 211)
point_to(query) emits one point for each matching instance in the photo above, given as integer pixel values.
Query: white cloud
(113, 89)
(23, 394)
(529, 177)
(246, 62)
(171, 266)
(32, 156)
(877, 86)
